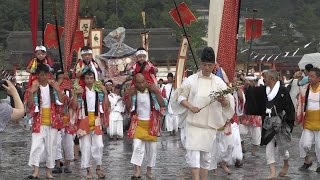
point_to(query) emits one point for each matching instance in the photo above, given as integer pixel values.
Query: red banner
(50, 35)
(253, 30)
(34, 21)
(71, 11)
(78, 41)
(186, 15)
(228, 37)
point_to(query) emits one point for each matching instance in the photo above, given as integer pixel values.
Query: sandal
(100, 174)
(135, 177)
(32, 177)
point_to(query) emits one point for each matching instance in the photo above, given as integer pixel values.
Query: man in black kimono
(269, 102)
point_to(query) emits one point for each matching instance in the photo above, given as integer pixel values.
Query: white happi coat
(201, 127)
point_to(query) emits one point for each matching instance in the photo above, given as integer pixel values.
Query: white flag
(263, 57)
(244, 50)
(295, 52)
(269, 58)
(255, 57)
(277, 57)
(287, 53)
(305, 46)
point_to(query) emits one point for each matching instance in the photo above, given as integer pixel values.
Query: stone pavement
(171, 164)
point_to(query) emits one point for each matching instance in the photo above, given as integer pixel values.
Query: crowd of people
(211, 114)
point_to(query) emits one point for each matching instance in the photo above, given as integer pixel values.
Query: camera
(3, 92)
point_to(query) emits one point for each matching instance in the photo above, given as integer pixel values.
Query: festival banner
(96, 38)
(85, 25)
(33, 10)
(50, 35)
(186, 15)
(181, 62)
(222, 33)
(145, 40)
(71, 11)
(253, 28)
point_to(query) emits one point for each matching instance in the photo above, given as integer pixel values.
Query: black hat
(207, 55)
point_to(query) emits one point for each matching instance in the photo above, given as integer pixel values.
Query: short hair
(308, 67)
(141, 48)
(316, 70)
(59, 72)
(161, 79)
(208, 55)
(170, 75)
(273, 74)
(88, 73)
(42, 68)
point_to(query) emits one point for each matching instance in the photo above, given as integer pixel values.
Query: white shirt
(260, 82)
(143, 105)
(313, 101)
(45, 96)
(91, 99)
(115, 103)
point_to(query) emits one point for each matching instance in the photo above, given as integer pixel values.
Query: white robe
(171, 120)
(116, 118)
(201, 127)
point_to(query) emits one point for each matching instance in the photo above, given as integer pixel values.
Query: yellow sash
(46, 117)
(92, 120)
(65, 120)
(142, 132)
(312, 120)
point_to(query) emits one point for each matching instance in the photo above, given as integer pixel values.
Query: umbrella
(313, 58)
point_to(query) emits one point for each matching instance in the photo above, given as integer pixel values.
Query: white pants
(271, 152)
(171, 122)
(183, 136)
(116, 124)
(116, 128)
(44, 142)
(91, 146)
(144, 147)
(309, 137)
(255, 133)
(65, 145)
(237, 149)
(198, 159)
(222, 149)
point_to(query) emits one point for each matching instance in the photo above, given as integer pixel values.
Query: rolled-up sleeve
(5, 115)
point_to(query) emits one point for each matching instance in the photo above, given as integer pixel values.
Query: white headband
(250, 78)
(141, 52)
(40, 48)
(88, 51)
(108, 83)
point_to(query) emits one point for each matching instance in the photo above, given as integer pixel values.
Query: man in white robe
(171, 120)
(116, 118)
(203, 117)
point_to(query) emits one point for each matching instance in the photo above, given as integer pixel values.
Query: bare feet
(271, 176)
(215, 172)
(149, 172)
(225, 167)
(284, 170)
(89, 174)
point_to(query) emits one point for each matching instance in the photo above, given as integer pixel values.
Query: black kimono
(257, 102)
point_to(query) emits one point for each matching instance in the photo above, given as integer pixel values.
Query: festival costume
(44, 128)
(201, 127)
(144, 127)
(270, 103)
(147, 69)
(116, 118)
(65, 143)
(171, 120)
(311, 124)
(90, 126)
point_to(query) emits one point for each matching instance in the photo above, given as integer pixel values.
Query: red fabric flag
(34, 21)
(186, 15)
(256, 27)
(227, 47)
(78, 41)
(71, 11)
(50, 35)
